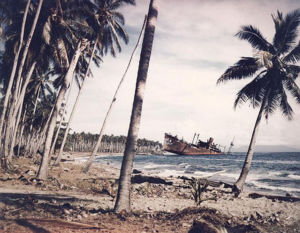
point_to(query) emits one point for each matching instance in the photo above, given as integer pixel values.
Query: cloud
(194, 44)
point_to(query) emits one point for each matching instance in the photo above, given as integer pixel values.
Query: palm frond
(285, 106)
(294, 55)
(255, 38)
(286, 31)
(293, 88)
(273, 99)
(293, 71)
(121, 32)
(253, 91)
(244, 68)
(115, 36)
(46, 33)
(119, 17)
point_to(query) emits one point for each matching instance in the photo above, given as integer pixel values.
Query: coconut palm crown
(275, 68)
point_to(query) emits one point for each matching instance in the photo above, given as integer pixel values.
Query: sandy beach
(70, 197)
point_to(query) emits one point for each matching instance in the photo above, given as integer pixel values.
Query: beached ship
(174, 145)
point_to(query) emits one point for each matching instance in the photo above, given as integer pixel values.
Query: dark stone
(135, 171)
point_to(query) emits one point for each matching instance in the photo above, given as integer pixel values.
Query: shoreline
(249, 187)
(87, 198)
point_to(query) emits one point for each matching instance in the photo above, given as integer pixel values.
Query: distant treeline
(85, 142)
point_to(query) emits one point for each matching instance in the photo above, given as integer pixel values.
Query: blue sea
(277, 173)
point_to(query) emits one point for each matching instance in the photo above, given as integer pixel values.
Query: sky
(194, 44)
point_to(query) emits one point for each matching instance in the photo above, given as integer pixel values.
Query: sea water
(277, 173)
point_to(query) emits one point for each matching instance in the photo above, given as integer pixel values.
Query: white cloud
(194, 43)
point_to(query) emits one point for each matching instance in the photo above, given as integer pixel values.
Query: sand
(91, 196)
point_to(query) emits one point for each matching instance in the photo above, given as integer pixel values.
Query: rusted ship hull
(174, 145)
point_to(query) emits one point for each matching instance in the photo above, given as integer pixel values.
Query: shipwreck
(178, 146)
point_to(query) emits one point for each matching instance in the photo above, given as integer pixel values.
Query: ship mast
(230, 147)
(193, 138)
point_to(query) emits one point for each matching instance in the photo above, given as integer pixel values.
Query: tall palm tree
(123, 197)
(106, 23)
(43, 170)
(96, 147)
(16, 57)
(274, 69)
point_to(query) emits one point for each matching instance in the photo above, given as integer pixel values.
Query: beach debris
(64, 223)
(289, 195)
(66, 169)
(135, 171)
(138, 179)
(30, 172)
(122, 215)
(202, 226)
(274, 197)
(66, 157)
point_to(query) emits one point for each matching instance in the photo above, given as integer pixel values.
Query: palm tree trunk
(20, 136)
(26, 48)
(239, 184)
(92, 156)
(60, 122)
(20, 107)
(75, 105)
(17, 91)
(43, 169)
(31, 125)
(41, 133)
(123, 197)
(14, 68)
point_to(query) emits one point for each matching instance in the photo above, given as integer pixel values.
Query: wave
(295, 162)
(292, 176)
(208, 174)
(274, 188)
(150, 166)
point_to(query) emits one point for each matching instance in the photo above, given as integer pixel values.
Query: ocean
(276, 173)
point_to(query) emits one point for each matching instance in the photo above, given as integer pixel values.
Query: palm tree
(96, 148)
(123, 197)
(106, 23)
(274, 69)
(14, 67)
(43, 170)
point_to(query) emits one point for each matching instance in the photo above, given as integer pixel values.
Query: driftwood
(203, 181)
(138, 179)
(273, 197)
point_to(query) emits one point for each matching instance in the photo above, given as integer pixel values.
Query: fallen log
(138, 179)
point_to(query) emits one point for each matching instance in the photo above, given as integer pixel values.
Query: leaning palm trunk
(60, 122)
(43, 169)
(239, 184)
(18, 81)
(26, 49)
(40, 134)
(123, 197)
(13, 71)
(75, 105)
(20, 137)
(29, 136)
(20, 107)
(13, 108)
(92, 157)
